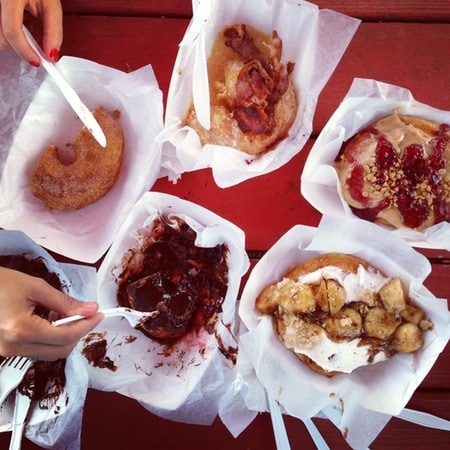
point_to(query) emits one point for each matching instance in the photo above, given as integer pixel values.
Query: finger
(12, 20)
(52, 20)
(42, 340)
(43, 294)
(4, 45)
(43, 352)
(64, 336)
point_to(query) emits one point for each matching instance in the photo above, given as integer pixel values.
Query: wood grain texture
(117, 423)
(150, 8)
(403, 54)
(375, 10)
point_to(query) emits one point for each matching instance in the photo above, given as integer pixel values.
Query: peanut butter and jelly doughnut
(397, 172)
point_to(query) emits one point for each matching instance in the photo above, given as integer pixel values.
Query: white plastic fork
(12, 371)
(21, 409)
(279, 428)
(135, 318)
(314, 432)
(280, 432)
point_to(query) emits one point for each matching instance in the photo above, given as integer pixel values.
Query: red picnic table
(401, 42)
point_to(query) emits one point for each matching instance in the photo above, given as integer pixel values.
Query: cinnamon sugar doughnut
(91, 173)
(336, 313)
(397, 171)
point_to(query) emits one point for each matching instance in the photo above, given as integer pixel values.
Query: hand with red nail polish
(11, 34)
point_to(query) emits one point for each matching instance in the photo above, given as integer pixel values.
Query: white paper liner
(185, 385)
(19, 82)
(361, 403)
(60, 425)
(85, 234)
(366, 102)
(315, 40)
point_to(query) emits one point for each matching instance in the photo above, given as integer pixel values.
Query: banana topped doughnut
(89, 173)
(336, 312)
(397, 172)
(253, 101)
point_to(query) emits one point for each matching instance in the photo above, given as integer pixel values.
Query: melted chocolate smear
(44, 382)
(94, 350)
(169, 273)
(35, 267)
(130, 339)
(228, 351)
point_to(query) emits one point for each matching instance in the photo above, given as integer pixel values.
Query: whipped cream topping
(337, 356)
(343, 356)
(353, 283)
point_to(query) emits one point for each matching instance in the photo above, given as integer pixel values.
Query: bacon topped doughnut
(397, 172)
(253, 101)
(89, 174)
(336, 313)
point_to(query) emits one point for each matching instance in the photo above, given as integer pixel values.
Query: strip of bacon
(261, 82)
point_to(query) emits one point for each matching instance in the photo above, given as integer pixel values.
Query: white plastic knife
(202, 10)
(200, 84)
(424, 419)
(81, 110)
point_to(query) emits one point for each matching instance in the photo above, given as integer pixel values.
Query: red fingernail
(54, 54)
(34, 63)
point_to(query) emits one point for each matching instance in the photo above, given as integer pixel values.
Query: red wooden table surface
(403, 42)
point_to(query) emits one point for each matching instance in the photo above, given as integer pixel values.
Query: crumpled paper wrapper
(366, 102)
(360, 403)
(19, 82)
(86, 234)
(184, 382)
(60, 425)
(315, 40)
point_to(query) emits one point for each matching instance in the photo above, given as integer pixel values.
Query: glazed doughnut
(253, 100)
(91, 172)
(397, 172)
(336, 313)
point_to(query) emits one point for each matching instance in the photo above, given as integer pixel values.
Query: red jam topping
(416, 180)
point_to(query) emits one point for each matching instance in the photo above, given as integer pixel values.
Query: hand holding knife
(69, 93)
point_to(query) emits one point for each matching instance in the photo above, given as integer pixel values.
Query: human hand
(11, 34)
(24, 333)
